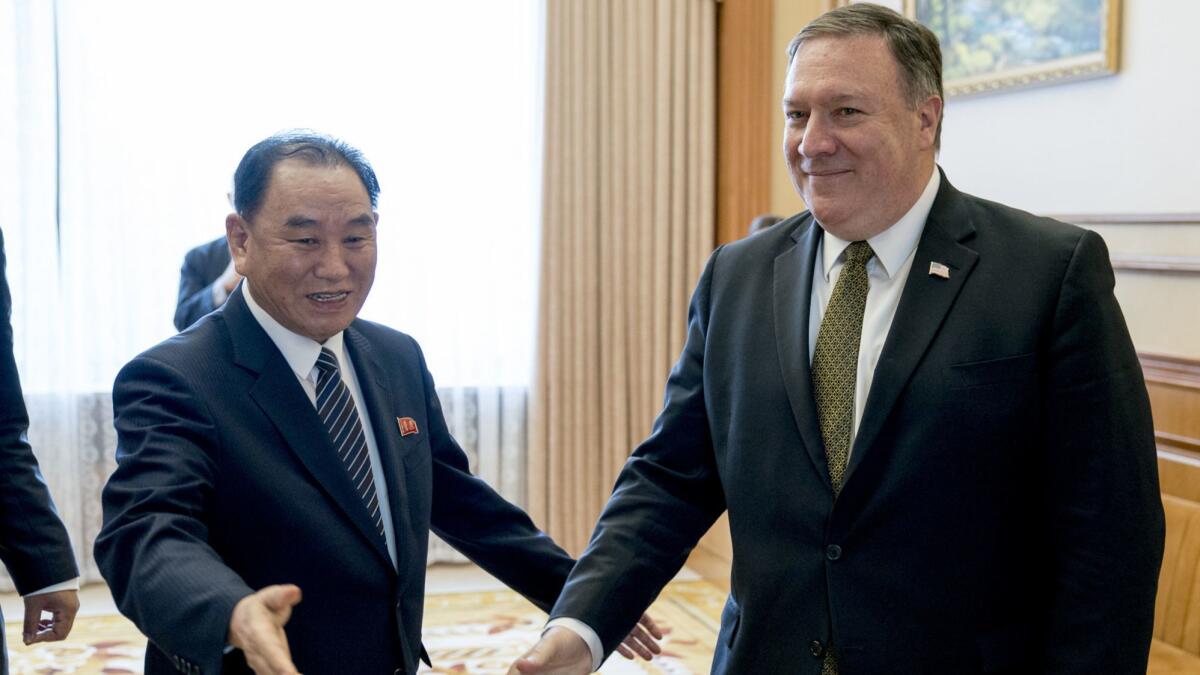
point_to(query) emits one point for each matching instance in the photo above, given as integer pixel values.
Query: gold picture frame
(994, 46)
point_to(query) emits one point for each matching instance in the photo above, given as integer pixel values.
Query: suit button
(816, 648)
(833, 552)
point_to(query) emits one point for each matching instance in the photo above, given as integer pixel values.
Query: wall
(1115, 145)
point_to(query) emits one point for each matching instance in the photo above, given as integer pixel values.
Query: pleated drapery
(627, 224)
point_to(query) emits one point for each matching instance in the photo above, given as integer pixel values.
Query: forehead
(297, 181)
(837, 65)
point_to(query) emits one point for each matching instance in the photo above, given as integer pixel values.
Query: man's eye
(846, 112)
(797, 115)
(305, 241)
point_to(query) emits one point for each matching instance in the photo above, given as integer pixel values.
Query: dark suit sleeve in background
(33, 542)
(1106, 517)
(202, 266)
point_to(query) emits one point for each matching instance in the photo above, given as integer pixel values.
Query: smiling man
(921, 410)
(281, 462)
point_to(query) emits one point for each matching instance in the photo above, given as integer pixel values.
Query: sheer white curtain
(156, 104)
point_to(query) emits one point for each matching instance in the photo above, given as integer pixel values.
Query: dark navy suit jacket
(201, 267)
(1000, 510)
(227, 482)
(33, 542)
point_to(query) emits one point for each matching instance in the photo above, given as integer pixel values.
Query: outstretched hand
(559, 652)
(256, 628)
(562, 652)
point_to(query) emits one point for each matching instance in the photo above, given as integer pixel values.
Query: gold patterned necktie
(835, 371)
(835, 358)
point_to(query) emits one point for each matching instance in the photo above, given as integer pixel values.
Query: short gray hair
(914, 46)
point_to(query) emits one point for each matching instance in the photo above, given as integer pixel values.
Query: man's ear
(930, 114)
(236, 233)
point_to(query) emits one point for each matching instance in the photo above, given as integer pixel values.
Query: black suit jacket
(33, 541)
(1000, 511)
(227, 482)
(201, 267)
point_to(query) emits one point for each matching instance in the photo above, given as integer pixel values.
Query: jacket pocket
(993, 371)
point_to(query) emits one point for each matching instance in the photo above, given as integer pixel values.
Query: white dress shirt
(886, 273)
(301, 354)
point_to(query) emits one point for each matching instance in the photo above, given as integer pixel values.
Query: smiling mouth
(825, 174)
(328, 297)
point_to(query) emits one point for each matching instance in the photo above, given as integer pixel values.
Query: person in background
(33, 542)
(922, 411)
(762, 222)
(207, 278)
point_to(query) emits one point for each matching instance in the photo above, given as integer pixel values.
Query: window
(158, 101)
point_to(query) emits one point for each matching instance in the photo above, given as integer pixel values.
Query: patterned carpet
(465, 633)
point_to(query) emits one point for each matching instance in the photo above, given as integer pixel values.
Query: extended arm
(666, 497)
(33, 542)
(153, 548)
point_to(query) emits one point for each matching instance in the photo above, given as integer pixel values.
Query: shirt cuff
(68, 585)
(584, 631)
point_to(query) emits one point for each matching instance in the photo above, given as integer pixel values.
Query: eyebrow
(839, 99)
(300, 222)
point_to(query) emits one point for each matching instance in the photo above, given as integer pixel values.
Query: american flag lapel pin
(407, 425)
(937, 269)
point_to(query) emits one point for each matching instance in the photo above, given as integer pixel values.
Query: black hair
(253, 174)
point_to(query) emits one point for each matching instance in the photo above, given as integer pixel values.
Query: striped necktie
(335, 406)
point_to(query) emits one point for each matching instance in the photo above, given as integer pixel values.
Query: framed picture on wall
(990, 45)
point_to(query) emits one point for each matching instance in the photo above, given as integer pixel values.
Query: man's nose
(818, 137)
(332, 264)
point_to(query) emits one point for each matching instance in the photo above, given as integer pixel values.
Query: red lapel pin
(407, 425)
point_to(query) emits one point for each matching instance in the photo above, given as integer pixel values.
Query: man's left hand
(62, 606)
(642, 640)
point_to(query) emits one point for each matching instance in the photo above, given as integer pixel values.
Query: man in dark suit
(205, 281)
(33, 541)
(922, 411)
(283, 448)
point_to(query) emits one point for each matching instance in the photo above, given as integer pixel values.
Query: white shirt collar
(892, 246)
(300, 352)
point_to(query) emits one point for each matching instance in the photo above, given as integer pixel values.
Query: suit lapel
(792, 293)
(283, 401)
(924, 304)
(380, 403)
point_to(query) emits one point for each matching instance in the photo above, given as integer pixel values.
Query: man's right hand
(559, 652)
(256, 628)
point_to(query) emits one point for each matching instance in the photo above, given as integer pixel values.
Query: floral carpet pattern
(465, 633)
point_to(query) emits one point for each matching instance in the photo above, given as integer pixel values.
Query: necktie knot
(858, 252)
(327, 363)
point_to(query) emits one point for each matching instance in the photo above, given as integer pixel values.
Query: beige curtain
(627, 224)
